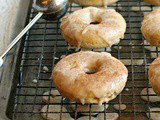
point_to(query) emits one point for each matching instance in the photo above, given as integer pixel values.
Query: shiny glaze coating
(72, 77)
(93, 28)
(94, 2)
(154, 75)
(150, 27)
(153, 2)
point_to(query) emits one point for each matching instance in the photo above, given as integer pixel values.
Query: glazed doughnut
(90, 77)
(154, 75)
(93, 28)
(153, 2)
(150, 27)
(94, 2)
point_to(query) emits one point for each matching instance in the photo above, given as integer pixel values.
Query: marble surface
(8, 18)
(12, 20)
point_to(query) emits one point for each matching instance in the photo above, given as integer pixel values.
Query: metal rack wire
(44, 44)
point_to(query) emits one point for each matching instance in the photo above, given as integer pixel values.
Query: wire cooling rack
(44, 47)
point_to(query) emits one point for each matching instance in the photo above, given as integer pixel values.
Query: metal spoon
(51, 9)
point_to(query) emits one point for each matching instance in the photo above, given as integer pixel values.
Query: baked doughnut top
(93, 28)
(150, 27)
(90, 77)
(154, 75)
(94, 2)
(153, 2)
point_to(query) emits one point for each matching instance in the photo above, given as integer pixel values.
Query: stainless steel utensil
(51, 9)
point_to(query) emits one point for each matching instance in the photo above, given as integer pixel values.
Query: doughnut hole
(94, 23)
(92, 69)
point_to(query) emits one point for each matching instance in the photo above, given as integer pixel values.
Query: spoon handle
(20, 35)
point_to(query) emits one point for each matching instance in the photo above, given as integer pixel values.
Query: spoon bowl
(52, 9)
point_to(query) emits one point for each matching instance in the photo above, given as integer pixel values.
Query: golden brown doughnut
(90, 77)
(154, 75)
(93, 28)
(94, 2)
(151, 27)
(153, 2)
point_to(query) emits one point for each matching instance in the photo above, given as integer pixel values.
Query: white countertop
(12, 19)
(10, 22)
